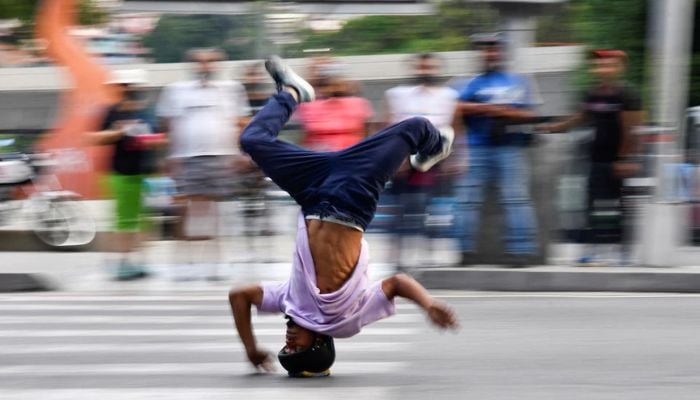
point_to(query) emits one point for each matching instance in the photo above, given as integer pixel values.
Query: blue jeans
(344, 184)
(507, 166)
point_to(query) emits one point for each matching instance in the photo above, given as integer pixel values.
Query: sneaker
(129, 272)
(423, 163)
(283, 75)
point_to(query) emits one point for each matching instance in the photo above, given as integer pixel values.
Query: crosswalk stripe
(52, 333)
(161, 319)
(167, 393)
(184, 347)
(132, 307)
(210, 369)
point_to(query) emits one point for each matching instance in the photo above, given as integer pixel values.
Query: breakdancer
(328, 294)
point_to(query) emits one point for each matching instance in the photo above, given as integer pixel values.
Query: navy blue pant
(344, 184)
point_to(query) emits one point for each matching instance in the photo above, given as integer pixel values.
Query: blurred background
(129, 212)
(57, 57)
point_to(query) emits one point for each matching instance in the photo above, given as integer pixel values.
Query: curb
(530, 280)
(22, 283)
(23, 241)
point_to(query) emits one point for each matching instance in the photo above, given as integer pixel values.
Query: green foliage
(619, 24)
(694, 95)
(89, 13)
(25, 10)
(21, 9)
(175, 34)
(557, 26)
(447, 30)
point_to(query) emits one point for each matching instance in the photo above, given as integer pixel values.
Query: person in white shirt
(425, 97)
(203, 118)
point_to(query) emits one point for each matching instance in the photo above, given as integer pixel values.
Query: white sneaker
(423, 163)
(283, 75)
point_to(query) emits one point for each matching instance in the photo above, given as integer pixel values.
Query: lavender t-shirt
(339, 314)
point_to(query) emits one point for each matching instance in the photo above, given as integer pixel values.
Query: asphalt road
(181, 345)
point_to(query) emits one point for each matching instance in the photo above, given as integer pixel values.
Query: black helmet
(488, 39)
(317, 358)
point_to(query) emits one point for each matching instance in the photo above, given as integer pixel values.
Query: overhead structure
(326, 7)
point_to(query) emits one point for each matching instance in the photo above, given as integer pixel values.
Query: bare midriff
(335, 250)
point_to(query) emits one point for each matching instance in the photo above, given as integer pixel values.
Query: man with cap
(488, 104)
(328, 294)
(128, 127)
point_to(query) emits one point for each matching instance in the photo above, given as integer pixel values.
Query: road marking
(168, 393)
(169, 319)
(581, 295)
(184, 347)
(55, 306)
(212, 369)
(177, 332)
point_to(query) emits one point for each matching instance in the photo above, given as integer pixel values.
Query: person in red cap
(613, 108)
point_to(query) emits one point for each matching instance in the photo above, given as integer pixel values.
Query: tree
(694, 95)
(89, 13)
(175, 34)
(447, 30)
(619, 24)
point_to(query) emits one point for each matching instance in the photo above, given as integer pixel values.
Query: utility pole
(670, 39)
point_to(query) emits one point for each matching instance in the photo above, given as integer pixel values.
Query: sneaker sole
(283, 75)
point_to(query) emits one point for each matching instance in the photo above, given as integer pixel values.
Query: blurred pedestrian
(425, 97)
(257, 86)
(337, 119)
(203, 117)
(489, 103)
(252, 185)
(128, 127)
(613, 108)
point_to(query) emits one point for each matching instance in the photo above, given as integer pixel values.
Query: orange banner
(82, 106)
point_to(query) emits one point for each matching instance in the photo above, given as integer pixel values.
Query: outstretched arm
(563, 125)
(241, 301)
(402, 285)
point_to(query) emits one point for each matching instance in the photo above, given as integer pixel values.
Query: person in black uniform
(613, 108)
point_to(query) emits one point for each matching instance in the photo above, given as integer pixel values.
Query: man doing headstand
(328, 293)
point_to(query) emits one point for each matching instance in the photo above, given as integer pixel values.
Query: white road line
(55, 306)
(204, 298)
(167, 319)
(22, 297)
(184, 347)
(220, 369)
(179, 332)
(579, 295)
(168, 393)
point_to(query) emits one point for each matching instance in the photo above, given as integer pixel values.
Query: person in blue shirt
(489, 106)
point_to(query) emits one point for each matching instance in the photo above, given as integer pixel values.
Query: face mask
(204, 76)
(135, 95)
(255, 87)
(427, 80)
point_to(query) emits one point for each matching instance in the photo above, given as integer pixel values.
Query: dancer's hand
(442, 315)
(261, 360)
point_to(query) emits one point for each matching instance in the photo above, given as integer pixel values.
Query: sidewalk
(269, 258)
(87, 271)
